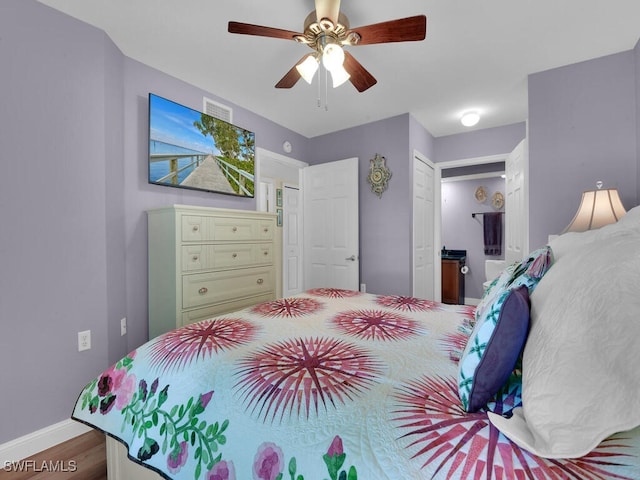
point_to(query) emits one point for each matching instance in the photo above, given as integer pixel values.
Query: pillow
(493, 349)
(526, 273)
(580, 372)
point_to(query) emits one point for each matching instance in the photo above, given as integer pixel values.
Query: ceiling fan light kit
(327, 31)
(308, 67)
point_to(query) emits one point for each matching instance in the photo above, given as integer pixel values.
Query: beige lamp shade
(597, 209)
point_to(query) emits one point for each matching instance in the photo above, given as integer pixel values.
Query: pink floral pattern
(295, 375)
(222, 470)
(269, 462)
(375, 325)
(404, 303)
(290, 377)
(288, 307)
(465, 445)
(178, 457)
(178, 348)
(333, 292)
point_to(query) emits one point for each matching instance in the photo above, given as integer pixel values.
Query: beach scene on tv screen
(194, 150)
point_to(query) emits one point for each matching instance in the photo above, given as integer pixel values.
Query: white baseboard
(40, 440)
(471, 301)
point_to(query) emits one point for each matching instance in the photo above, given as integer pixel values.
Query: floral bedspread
(329, 384)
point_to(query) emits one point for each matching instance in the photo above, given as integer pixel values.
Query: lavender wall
(139, 196)
(73, 132)
(460, 231)
(582, 128)
(385, 223)
(54, 246)
(114, 200)
(479, 143)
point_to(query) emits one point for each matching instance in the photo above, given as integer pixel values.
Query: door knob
(352, 258)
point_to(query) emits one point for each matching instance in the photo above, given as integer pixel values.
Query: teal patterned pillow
(493, 349)
(526, 273)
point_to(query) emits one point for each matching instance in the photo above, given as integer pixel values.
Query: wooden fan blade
(360, 77)
(328, 9)
(402, 30)
(291, 77)
(259, 30)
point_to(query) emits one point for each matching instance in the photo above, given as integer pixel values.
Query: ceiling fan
(326, 31)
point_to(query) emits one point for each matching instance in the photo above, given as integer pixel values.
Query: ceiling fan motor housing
(317, 34)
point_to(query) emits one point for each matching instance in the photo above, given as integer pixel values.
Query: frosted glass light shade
(307, 68)
(332, 57)
(597, 209)
(339, 76)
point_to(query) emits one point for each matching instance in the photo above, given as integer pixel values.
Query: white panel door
(423, 224)
(331, 242)
(516, 205)
(292, 240)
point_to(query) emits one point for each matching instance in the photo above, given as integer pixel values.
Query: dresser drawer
(198, 314)
(239, 255)
(206, 288)
(199, 228)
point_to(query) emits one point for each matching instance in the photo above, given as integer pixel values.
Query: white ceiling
(477, 54)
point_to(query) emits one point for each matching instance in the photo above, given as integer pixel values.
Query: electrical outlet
(123, 326)
(84, 340)
(363, 287)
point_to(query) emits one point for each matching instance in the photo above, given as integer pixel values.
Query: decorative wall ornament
(481, 195)
(379, 174)
(497, 200)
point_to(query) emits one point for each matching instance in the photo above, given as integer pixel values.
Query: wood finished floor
(81, 458)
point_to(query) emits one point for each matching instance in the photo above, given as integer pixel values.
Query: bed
(343, 385)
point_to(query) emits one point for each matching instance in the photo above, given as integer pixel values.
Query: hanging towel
(493, 233)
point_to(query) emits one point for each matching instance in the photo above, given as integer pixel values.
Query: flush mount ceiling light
(469, 119)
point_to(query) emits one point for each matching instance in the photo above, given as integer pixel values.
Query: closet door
(331, 235)
(423, 228)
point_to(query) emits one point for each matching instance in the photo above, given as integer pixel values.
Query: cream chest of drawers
(208, 261)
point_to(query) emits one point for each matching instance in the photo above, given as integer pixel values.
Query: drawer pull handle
(195, 258)
(266, 230)
(234, 255)
(196, 228)
(234, 229)
(260, 281)
(265, 253)
(203, 290)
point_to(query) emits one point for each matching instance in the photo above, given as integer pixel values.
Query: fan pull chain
(319, 88)
(326, 90)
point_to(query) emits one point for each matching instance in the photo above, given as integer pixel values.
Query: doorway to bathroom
(467, 190)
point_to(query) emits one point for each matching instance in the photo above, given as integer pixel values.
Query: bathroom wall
(460, 231)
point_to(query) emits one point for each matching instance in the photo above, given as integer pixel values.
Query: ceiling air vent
(217, 110)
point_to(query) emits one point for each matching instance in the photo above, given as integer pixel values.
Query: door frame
(264, 155)
(437, 240)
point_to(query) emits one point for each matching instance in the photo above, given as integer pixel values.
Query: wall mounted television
(193, 150)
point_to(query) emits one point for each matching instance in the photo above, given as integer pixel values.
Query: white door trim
(437, 242)
(261, 154)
